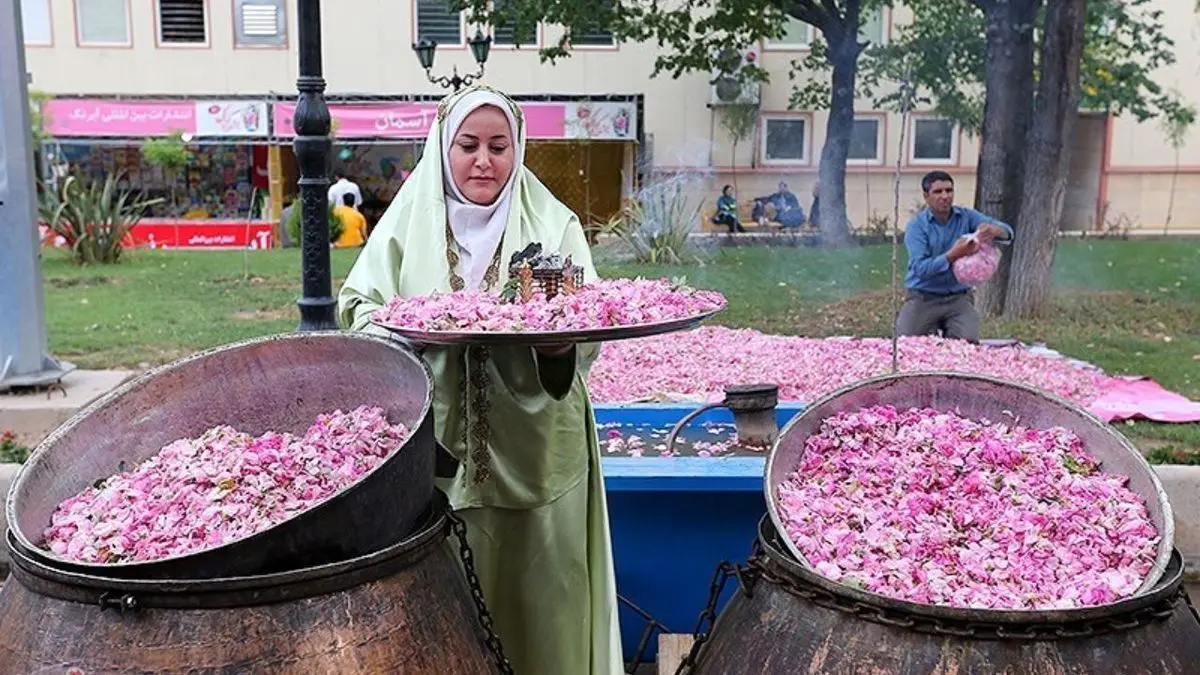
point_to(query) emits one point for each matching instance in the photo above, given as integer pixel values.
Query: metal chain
(707, 616)
(459, 527)
(967, 629)
(1188, 599)
(653, 625)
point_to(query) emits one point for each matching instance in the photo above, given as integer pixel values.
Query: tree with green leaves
(37, 118)
(693, 32)
(1176, 130)
(171, 155)
(739, 121)
(977, 63)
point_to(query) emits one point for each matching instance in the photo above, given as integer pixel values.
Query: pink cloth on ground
(1136, 397)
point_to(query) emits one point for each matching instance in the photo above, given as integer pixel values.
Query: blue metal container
(673, 519)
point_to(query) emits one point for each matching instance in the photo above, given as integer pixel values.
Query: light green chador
(529, 485)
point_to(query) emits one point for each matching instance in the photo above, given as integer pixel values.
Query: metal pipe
(318, 307)
(23, 358)
(683, 423)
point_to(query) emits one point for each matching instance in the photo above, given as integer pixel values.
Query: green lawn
(1131, 307)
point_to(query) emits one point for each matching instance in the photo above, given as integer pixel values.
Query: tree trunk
(733, 175)
(1008, 77)
(1171, 197)
(1048, 160)
(843, 56)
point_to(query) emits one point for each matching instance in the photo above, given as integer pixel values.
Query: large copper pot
(977, 397)
(277, 383)
(787, 618)
(401, 609)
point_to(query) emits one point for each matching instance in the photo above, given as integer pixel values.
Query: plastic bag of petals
(979, 267)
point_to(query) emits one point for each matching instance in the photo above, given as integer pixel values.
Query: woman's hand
(554, 351)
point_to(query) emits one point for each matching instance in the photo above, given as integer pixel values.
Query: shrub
(93, 218)
(293, 224)
(12, 452)
(656, 227)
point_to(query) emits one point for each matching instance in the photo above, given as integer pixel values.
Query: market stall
(583, 149)
(218, 199)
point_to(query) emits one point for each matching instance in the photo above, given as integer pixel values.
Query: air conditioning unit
(729, 85)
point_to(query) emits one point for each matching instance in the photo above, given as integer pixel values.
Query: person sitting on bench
(727, 214)
(788, 212)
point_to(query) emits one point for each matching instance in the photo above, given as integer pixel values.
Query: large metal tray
(979, 397)
(538, 338)
(278, 383)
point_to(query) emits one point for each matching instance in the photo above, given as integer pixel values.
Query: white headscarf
(477, 229)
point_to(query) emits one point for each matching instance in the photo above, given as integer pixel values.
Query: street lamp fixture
(318, 307)
(480, 45)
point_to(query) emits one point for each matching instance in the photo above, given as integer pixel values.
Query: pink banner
(66, 117)
(413, 120)
(83, 118)
(95, 117)
(151, 233)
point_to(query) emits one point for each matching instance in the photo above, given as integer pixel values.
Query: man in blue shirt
(935, 238)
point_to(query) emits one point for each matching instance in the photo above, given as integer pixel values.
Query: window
(35, 22)
(437, 22)
(597, 37)
(502, 35)
(182, 22)
(102, 22)
(864, 140)
(786, 140)
(796, 33)
(933, 140)
(259, 22)
(872, 28)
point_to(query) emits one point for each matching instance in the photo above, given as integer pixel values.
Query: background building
(125, 69)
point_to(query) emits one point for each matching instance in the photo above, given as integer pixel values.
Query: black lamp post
(480, 45)
(318, 308)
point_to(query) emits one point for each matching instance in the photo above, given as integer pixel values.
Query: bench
(745, 209)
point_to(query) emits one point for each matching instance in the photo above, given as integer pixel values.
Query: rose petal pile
(199, 493)
(976, 269)
(934, 508)
(606, 303)
(699, 364)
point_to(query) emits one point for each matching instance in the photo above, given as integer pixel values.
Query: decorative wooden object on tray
(531, 272)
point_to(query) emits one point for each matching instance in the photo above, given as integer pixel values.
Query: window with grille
(260, 22)
(593, 38)
(596, 37)
(102, 22)
(437, 22)
(182, 22)
(502, 35)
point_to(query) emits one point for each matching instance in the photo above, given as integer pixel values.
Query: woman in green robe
(517, 418)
